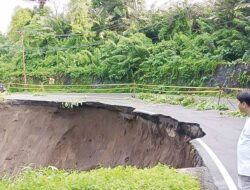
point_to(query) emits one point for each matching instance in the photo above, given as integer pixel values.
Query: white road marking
(228, 179)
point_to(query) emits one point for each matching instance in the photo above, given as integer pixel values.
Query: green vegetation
(186, 101)
(237, 114)
(157, 178)
(118, 41)
(199, 103)
(101, 88)
(1, 97)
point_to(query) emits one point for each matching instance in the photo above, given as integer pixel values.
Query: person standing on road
(243, 147)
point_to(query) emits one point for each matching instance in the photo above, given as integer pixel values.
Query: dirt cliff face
(91, 135)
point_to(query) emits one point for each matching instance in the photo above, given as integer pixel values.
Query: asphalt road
(222, 131)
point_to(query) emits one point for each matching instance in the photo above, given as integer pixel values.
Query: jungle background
(118, 41)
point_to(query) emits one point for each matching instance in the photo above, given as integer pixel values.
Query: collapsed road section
(91, 135)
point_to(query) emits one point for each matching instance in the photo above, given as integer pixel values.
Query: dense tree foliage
(118, 41)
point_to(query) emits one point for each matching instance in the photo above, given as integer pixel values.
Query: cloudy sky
(7, 8)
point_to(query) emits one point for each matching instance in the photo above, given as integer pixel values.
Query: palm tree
(41, 3)
(227, 10)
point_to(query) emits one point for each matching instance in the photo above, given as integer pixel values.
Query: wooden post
(136, 6)
(221, 90)
(23, 60)
(134, 90)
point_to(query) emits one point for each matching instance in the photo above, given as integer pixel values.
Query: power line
(63, 35)
(80, 34)
(6, 47)
(114, 26)
(64, 48)
(93, 29)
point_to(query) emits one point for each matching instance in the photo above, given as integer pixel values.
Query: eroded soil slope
(90, 136)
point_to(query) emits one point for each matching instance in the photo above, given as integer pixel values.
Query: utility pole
(136, 6)
(23, 60)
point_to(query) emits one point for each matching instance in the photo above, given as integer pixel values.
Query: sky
(7, 8)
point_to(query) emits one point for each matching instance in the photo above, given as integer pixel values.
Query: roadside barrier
(118, 88)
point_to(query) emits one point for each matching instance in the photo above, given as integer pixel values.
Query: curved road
(222, 132)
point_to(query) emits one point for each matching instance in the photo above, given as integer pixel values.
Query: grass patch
(237, 114)
(186, 101)
(191, 102)
(2, 97)
(160, 177)
(38, 94)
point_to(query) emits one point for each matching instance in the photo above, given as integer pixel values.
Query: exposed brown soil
(90, 136)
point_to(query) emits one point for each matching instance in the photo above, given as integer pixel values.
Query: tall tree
(79, 15)
(225, 11)
(41, 3)
(20, 19)
(116, 14)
